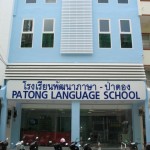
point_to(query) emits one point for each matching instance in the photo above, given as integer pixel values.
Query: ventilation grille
(76, 26)
(76, 72)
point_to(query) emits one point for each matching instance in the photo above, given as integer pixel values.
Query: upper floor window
(27, 33)
(146, 40)
(48, 33)
(125, 34)
(50, 1)
(122, 1)
(102, 1)
(104, 34)
(30, 1)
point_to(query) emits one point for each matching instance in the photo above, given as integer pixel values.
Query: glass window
(109, 127)
(30, 1)
(48, 25)
(104, 34)
(146, 40)
(104, 25)
(27, 34)
(126, 41)
(104, 40)
(28, 25)
(50, 1)
(125, 34)
(125, 25)
(26, 40)
(47, 40)
(48, 33)
(102, 1)
(47, 124)
(122, 1)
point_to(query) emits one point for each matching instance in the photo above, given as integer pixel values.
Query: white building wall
(146, 57)
(144, 8)
(6, 7)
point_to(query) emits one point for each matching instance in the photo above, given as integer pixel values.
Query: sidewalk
(65, 148)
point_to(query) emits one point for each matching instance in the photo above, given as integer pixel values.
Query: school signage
(76, 90)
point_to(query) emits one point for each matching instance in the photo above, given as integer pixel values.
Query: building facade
(75, 71)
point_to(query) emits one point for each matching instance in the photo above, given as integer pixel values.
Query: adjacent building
(5, 27)
(75, 71)
(5, 31)
(144, 14)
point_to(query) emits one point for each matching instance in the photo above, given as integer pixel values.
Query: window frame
(104, 32)
(48, 32)
(27, 32)
(130, 33)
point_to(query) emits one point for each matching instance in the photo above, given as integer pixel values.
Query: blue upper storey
(41, 10)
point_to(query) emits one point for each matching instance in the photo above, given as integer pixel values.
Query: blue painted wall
(41, 10)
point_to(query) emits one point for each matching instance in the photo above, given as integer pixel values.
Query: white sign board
(76, 90)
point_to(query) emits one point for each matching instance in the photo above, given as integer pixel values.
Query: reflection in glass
(48, 25)
(26, 40)
(48, 125)
(108, 127)
(104, 25)
(28, 24)
(125, 25)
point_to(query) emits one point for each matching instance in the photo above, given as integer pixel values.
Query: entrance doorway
(109, 127)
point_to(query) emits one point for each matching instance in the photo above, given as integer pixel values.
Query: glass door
(107, 126)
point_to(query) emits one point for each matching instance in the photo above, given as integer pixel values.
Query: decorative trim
(81, 71)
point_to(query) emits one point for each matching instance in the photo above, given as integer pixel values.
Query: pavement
(67, 148)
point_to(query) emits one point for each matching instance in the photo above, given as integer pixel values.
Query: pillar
(136, 126)
(75, 121)
(16, 124)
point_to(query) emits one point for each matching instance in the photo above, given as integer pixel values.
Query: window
(122, 1)
(47, 124)
(48, 33)
(104, 34)
(125, 34)
(146, 40)
(27, 33)
(102, 1)
(30, 1)
(50, 1)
